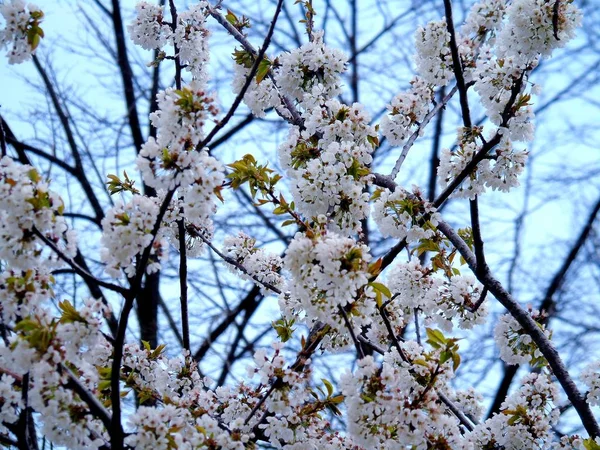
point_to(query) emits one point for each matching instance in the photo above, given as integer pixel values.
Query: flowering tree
(69, 374)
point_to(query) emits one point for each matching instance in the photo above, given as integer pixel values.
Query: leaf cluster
(116, 185)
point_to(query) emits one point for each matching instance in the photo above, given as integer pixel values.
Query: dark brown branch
(435, 147)
(359, 350)
(457, 66)
(66, 125)
(116, 430)
(96, 408)
(548, 304)
(531, 327)
(296, 119)
(251, 298)
(185, 327)
(126, 77)
(249, 78)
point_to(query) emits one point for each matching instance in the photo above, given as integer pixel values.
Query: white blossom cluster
(127, 232)
(500, 76)
(260, 264)
(172, 427)
(170, 160)
(498, 172)
(268, 368)
(495, 81)
(181, 115)
(574, 442)
(259, 96)
(335, 122)
(19, 18)
(312, 72)
(190, 415)
(191, 38)
(527, 34)
(22, 292)
(392, 404)
(453, 164)
(29, 207)
(525, 420)
(591, 378)
(40, 343)
(389, 408)
(400, 214)
(189, 35)
(328, 164)
(484, 16)
(433, 57)
(148, 29)
(328, 271)
(442, 301)
(151, 372)
(328, 159)
(178, 392)
(292, 425)
(529, 31)
(199, 183)
(79, 343)
(65, 419)
(406, 111)
(470, 402)
(10, 400)
(194, 206)
(516, 346)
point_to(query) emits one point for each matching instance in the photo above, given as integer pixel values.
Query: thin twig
(239, 266)
(413, 137)
(295, 119)
(417, 329)
(359, 349)
(76, 268)
(249, 78)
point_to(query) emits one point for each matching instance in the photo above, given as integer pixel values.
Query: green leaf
(445, 356)
(379, 287)
(513, 420)
(435, 337)
(373, 140)
(263, 69)
(337, 399)
(590, 444)
(35, 41)
(455, 360)
(243, 58)
(34, 175)
(329, 386)
(69, 313)
(231, 18)
(284, 328)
